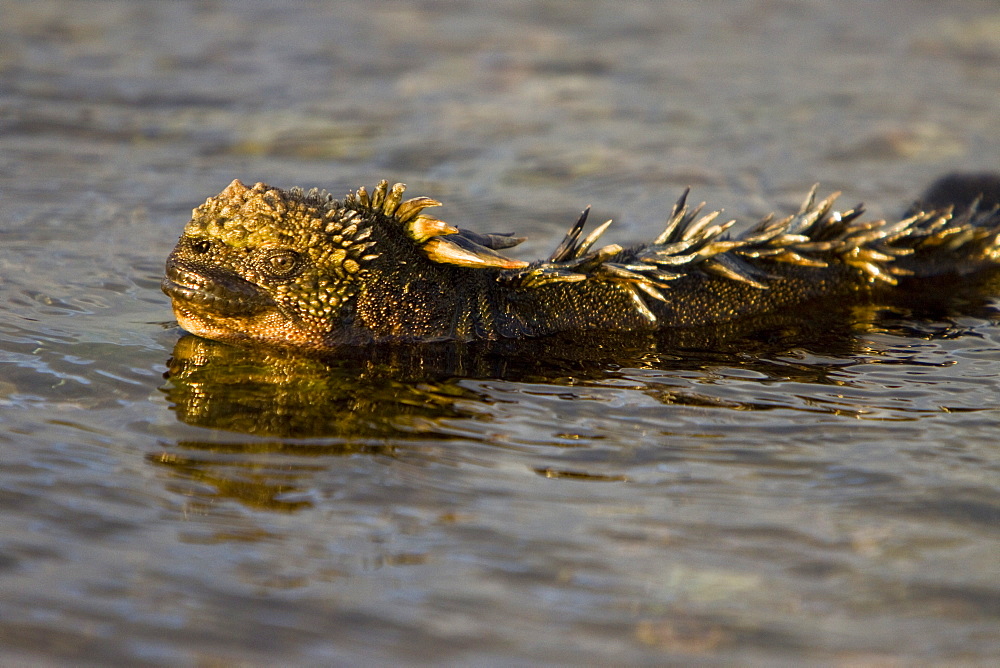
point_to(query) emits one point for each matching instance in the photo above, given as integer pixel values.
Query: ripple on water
(817, 494)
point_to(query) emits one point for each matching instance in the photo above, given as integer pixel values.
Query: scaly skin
(304, 270)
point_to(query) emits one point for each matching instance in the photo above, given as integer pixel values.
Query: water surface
(822, 493)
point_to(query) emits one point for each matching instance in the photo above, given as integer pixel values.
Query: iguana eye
(280, 264)
(202, 246)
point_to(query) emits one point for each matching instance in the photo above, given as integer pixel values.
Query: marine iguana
(302, 269)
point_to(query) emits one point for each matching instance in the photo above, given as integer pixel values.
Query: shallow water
(826, 494)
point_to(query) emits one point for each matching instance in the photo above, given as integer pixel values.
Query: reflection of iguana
(303, 269)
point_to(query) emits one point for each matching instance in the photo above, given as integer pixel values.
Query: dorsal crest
(440, 242)
(694, 244)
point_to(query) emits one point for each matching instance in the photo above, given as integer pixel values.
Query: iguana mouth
(222, 294)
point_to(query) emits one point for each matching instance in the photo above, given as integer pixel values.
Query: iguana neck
(459, 304)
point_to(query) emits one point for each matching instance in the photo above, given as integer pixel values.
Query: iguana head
(288, 267)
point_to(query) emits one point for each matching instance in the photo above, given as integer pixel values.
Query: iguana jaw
(219, 292)
(225, 307)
